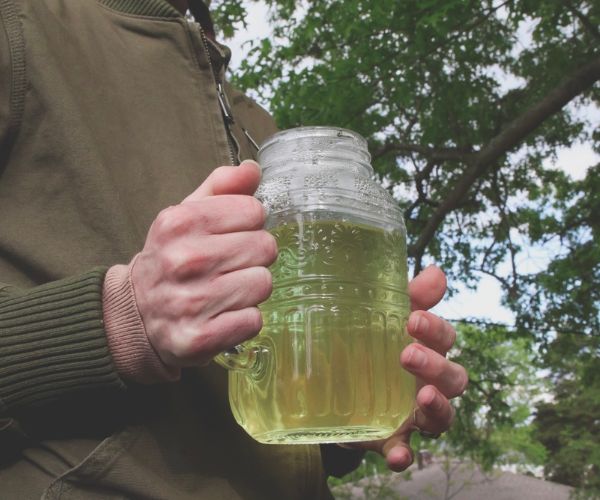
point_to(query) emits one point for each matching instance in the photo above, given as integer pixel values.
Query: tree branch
(502, 280)
(514, 133)
(501, 203)
(585, 22)
(424, 174)
(433, 154)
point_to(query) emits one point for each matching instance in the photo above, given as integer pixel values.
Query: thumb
(243, 179)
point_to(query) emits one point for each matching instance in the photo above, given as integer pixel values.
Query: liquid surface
(334, 329)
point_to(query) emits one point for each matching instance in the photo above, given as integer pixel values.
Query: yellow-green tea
(333, 332)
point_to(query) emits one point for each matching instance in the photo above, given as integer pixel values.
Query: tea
(334, 329)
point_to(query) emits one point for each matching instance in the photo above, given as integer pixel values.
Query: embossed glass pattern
(325, 367)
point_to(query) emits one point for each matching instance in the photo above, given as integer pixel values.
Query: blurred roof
(464, 482)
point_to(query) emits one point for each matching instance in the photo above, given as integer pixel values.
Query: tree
(419, 80)
(493, 424)
(564, 297)
(464, 104)
(569, 426)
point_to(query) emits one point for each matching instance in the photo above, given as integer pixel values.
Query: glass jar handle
(244, 358)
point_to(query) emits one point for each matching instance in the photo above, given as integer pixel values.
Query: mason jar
(325, 366)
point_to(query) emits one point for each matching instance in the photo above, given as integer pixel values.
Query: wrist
(133, 355)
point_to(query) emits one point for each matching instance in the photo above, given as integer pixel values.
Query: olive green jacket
(109, 112)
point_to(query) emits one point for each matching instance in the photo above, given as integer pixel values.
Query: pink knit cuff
(133, 355)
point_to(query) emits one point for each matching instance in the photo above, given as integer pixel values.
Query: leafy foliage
(228, 16)
(493, 419)
(569, 425)
(570, 429)
(565, 297)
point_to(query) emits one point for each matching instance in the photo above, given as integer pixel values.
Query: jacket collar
(220, 54)
(150, 8)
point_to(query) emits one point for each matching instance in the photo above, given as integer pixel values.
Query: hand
(438, 379)
(203, 269)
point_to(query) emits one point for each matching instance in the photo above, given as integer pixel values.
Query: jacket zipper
(221, 97)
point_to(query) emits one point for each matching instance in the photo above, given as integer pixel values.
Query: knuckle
(199, 345)
(452, 415)
(197, 215)
(169, 261)
(439, 371)
(269, 246)
(169, 305)
(265, 282)
(179, 350)
(179, 345)
(462, 381)
(168, 220)
(194, 263)
(173, 221)
(254, 210)
(181, 263)
(247, 324)
(465, 381)
(163, 220)
(190, 306)
(450, 335)
(254, 320)
(205, 342)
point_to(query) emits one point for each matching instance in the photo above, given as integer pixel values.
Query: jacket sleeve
(53, 342)
(52, 339)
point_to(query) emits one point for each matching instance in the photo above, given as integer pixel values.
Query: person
(118, 286)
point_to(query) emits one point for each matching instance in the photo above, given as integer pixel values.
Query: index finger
(427, 289)
(227, 213)
(243, 179)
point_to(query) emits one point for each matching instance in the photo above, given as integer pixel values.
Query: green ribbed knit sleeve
(52, 341)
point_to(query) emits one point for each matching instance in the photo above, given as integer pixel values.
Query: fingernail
(416, 358)
(248, 160)
(418, 323)
(433, 402)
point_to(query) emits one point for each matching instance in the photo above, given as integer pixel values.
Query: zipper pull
(224, 103)
(250, 139)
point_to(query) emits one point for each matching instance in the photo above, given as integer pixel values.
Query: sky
(484, 302)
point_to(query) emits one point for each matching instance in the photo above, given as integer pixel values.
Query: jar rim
(315, 131)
